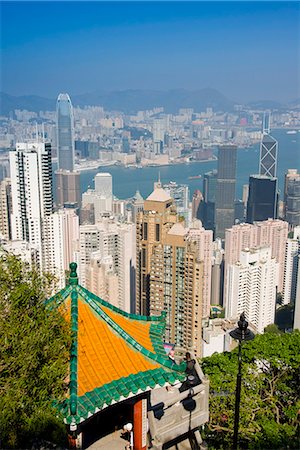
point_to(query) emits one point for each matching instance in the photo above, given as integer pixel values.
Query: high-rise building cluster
(203, 262)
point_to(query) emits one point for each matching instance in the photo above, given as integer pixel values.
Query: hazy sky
(247, 50)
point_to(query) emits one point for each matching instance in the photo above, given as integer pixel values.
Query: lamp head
(242, 333)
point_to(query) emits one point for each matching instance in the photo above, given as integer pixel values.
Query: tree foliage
(34, 353)
(270, 405)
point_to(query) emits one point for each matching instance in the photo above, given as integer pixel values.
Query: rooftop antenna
(266, 122)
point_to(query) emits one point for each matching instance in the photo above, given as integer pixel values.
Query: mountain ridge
(131, 100)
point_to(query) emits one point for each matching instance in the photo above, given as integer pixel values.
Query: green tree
(34, 354)
(270, 402)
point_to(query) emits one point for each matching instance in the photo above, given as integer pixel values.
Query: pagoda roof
(114, 355)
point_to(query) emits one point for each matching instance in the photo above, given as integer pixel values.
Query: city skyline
(160, 45)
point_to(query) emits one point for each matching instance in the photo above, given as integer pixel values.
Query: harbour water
(127, 180)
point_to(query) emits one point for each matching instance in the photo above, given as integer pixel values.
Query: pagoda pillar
(140, 427)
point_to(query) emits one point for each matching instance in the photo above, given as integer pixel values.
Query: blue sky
(247, 50)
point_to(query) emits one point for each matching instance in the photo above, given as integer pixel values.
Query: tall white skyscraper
(61, 239)
(252, 283)
(290, 277)
(204, 244)
(65, 133)
(31, 190)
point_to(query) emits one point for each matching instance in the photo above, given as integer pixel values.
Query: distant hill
(129, 101)
(30, 102)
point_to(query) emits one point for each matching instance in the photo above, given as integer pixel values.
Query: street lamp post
(242, 333)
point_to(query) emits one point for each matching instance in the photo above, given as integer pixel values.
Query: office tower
(31, 188)
(263, 198)
(209, 197)
(65, 133)
(180, 194)
(159, 129)
(110, 238)
(225, 189)
(292, 253)
(217, 273)
(197, 204)
(292, 198)
(270, 233)
(152, 225)
(5, 208)
(67, 188)
(103, 184)
(251, 289)
(101, 197)
(204, 246)
(239, 211)
(268, 151)
(245, 194)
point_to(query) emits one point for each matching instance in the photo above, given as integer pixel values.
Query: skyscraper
(268, 150)
(292, 197)
(65, 132)
(152, 224)
(67, 188)
(263, 198)
(292, 253)
(31, 188)
(269, 233)
(252, 283)
(173, 269)
(225, 189)
(5, 208)
(209, 195)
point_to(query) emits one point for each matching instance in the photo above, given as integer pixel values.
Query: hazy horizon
(248, 51)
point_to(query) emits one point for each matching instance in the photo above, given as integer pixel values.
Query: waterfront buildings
(225, 189)
(251, 287)
(263, 198)
(65, 133)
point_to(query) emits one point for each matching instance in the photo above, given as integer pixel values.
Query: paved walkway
(110, 442)
(114, 442)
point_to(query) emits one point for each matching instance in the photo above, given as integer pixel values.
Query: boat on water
(291, 132)
(194, 177)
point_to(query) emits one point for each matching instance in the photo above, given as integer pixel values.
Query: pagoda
(120, 372)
